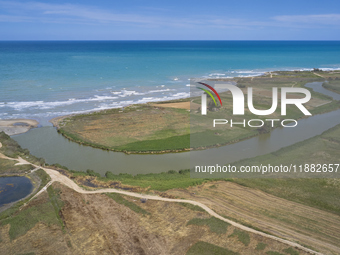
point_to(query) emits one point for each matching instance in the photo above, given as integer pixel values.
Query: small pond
(14, 188)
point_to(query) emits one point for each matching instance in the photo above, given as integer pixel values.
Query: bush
(92, 173)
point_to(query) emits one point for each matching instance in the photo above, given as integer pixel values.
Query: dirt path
(319, 75)
(179, 105)
(281, 217)
(57, 177)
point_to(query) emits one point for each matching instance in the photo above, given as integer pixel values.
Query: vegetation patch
(216, 225)
(57, 203)
(12, 149)
(208, 248)
(157, 181)
(193, 207)
(137, 128)
(9, 167)
(315, 192)
(242, 236)
(291, 251)
(43, 211)
(260, 246)
(273, 253)
(333, 85)
(120, 200)
(43, 176)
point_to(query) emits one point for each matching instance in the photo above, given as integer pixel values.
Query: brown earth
(292, 221)
(179, 105)
(96, 224)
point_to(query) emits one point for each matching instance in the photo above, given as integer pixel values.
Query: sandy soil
(17, 126)
(179, 105)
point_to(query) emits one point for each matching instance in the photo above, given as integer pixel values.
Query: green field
(46, 211)
(158, 181)
(202, 248)
(215, 225)
(319, 193)
(8, 167)
(333, 85)
(137, 128)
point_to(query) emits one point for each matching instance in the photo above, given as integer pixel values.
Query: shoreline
(34, 179)
(17, 126)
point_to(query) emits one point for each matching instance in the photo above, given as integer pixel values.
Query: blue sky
(170, 20)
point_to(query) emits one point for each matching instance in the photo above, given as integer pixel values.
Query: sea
(44, 79)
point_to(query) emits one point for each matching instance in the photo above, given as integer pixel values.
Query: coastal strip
(17, 126)
(171, 126)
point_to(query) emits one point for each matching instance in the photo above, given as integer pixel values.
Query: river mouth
(14, 188)
(47, 143)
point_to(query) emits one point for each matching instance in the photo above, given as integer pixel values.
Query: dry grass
(269, 213)
(95, 223)
(168, 126)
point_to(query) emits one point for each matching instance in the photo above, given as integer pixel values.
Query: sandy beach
(17, 126)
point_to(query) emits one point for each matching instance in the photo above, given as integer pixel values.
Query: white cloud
(14, 11)
(36, 10)
(319, 19)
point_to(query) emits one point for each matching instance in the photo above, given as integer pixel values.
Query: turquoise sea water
(41, 80)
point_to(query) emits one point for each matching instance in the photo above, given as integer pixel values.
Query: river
(45, 142)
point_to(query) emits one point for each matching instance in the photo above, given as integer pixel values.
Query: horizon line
(222, 40)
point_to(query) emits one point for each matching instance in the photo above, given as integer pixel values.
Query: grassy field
(12, 149)
(333, 85)
(215, 225)
(151, 128)
(8, 167)
(252, 207)
(157, 181)
(45, 209)
(201, 248)
(121, 200)
(242, 236)
(136, 128)
(319, 193)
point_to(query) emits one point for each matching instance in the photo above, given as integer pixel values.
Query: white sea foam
(217, 74)
(159, 90)
(114, 98)
(19, 106)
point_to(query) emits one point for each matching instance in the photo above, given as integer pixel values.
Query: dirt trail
(57, 177)
(319, 75)
(283, 218)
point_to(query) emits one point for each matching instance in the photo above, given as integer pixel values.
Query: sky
(170, 20)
